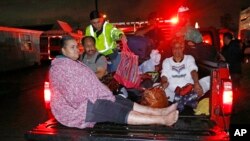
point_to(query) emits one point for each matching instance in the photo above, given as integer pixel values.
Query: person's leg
(136, 118)
(124, 102)
(154, 111)
(108, 111)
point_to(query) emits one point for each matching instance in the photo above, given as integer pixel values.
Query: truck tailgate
(187, 128)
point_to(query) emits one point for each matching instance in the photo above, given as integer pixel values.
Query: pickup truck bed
(187, 128)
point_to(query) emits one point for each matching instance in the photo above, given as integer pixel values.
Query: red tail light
(227, 99)
(47, 96)
(47, 93)
(174, 20)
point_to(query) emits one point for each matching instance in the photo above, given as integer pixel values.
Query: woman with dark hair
(80, 100)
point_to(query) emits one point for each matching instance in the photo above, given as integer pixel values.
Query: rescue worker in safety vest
(106, 36)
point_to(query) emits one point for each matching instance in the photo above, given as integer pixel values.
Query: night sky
(75, 12)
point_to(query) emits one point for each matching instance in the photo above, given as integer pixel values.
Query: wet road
(22, 107)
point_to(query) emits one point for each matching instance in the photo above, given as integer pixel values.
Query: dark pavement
(22, 106)
(241, 113)
(21, 102)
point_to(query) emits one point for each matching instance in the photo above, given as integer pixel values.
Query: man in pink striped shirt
(80, 100)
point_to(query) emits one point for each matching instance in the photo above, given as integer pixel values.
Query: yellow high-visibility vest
(106, 41)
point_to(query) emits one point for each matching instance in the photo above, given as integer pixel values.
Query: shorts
(107, 111)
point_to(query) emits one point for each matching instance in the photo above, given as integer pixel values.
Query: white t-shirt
(178, 74)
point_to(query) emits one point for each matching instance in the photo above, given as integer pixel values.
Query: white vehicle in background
(19, 48)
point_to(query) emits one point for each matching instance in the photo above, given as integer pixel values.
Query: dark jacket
(233, 55)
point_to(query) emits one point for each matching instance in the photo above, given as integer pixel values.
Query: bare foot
(171, 108)
(171, 118)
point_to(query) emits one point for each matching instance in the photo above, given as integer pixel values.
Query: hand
(198, 89)
(164, 85)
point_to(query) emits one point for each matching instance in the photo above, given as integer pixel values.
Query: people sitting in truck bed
(149, 69)
(94, 60)
(80, 100)
(179, 70)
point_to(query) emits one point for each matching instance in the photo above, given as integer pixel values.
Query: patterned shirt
(73, 84)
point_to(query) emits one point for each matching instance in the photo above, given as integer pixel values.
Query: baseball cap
(95, 14)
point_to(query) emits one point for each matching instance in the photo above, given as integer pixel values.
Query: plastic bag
(154, 97)
(127, 72)
(149, 65)
(203, 107)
